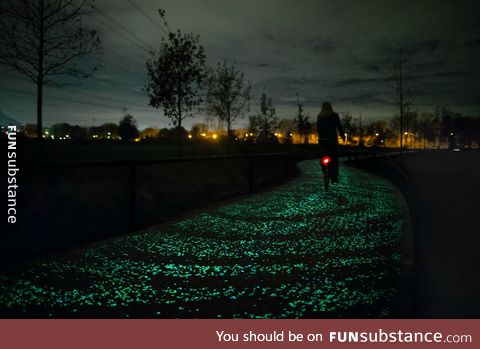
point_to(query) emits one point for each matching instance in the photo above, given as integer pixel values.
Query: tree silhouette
(304, 127)
(428, 126)
(252, 129)
(349, 126)
(378, 131)
(150, 133)
(42, 39)
(228, 94)
(266, 119)
(103, 131)
(127, 128)
(286, 128)
(401, 83)
(176, 75)
(198, 129)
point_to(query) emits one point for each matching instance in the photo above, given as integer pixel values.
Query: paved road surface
(442, 190)
(292, 251)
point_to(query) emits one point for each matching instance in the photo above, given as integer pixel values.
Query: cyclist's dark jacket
(327, 126)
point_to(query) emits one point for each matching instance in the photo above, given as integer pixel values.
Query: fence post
(286, 165)
(250, 172)
(132, 200)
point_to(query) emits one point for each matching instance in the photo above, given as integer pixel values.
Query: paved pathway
(293, 251)
(442, 191)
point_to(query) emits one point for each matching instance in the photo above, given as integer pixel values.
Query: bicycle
(329, 154)
(324, 162)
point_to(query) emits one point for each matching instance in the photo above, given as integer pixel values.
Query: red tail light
(326, 160)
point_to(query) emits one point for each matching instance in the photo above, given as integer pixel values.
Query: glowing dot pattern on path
(292, 252)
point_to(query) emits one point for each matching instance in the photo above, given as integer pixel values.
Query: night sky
(324, 50)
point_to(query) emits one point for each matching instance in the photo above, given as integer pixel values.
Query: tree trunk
(40, 117)
(40, 83)
(180, 137)
(400, 81)
(229, 136)
(179, 108)
(229, 130)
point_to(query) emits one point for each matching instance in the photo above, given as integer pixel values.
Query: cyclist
(328, 122)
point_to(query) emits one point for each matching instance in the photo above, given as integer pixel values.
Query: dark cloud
(427, 65)
(444, 74)
(324, 47)
(473, 42)
(356, 81)
(372, 67)
(367, 98)
(427, 46)
(340, 51)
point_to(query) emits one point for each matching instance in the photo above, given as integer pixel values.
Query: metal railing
(134, 164)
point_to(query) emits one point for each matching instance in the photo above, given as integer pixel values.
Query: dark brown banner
(329, 334)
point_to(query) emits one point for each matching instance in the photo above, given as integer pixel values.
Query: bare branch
(44, 38)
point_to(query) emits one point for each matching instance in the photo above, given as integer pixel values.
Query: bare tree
(401, 83)
(349, 125)
(127, 128)
(198, 130)
(304, 127)
(266, 119)
(286, 128)
(428, 124)
(176, 74)
(43, 39)
(228, 94)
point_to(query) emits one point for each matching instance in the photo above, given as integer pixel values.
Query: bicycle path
(442, 191)
(294, 251)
